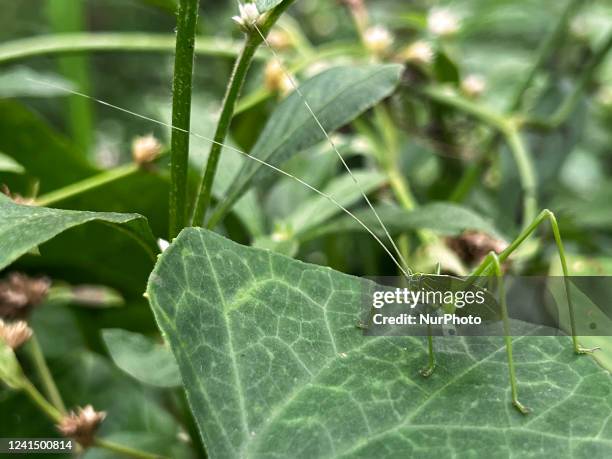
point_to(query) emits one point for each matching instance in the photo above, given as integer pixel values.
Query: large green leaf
(274, 366)
(336, 96)
(23, 228)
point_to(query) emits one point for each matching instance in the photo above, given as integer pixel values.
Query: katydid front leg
(544, 215)
(493, 259)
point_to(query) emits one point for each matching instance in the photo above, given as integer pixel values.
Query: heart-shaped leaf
(274, 366)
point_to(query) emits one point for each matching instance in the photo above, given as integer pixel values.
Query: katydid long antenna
(236, 150)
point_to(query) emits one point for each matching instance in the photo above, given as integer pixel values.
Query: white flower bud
(378, 39)
(249, 15)
(145, 149)
(419, 52)
(473, 85)
(442, 22)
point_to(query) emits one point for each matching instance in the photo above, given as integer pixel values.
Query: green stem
(526, 170)
(125, 450)
(88, 184)
(252, 41)
(41, 402)
(181, 113)
(227, 112)
(72, 43)
(46, 378)
(69, 16)
(464, 105)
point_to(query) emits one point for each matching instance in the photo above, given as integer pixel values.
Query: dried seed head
(20, 293)
(442, 22)
(17, 198)
(419, 52)
(473, 246)
(81, 426)
(14, 334)
(249, 15)
(276, 79)
(378, 40)
(145, 149)
(473, 85)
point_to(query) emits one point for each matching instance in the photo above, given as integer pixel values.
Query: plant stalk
(187, 18)
(46, 378)
(88, 184)
(73, 43)
(234, 87)
(252, 41)
(69, 16)
(125, 450)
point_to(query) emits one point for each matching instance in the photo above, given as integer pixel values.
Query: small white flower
(378, 39)
(419, 52)
(249, 15)
(145, 149)
(442, 22)
(162, 244)
(473, 85)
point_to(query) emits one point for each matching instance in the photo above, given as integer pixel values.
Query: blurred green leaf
(8, 164)
(445, 69)
(44, 154)
(16, 82)
(24, 227)
(142, 358)
(336, 96)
